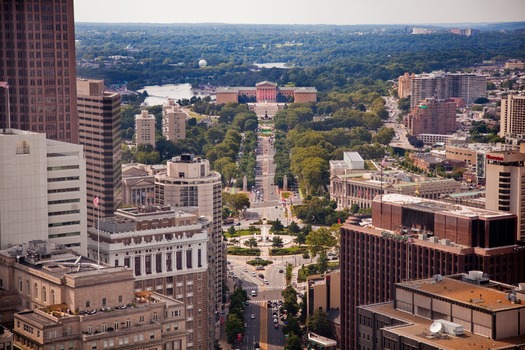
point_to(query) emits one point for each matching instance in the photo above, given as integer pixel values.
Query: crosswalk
(264, 302)
(261, 288)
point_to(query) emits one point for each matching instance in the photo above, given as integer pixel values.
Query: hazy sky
(300, 11)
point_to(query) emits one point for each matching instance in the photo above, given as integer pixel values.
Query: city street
(265, 203)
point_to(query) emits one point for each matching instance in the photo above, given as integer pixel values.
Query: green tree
(235, 201)
(320, 241)
(234, 326)
(277, 226)
(288, 274)
(384, 135)
(252, 242)
(319, 324)
(293, 326)
(293, 228)
(293, 342)
(277, 242)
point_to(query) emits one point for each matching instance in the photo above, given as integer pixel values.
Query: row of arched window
(36, 291)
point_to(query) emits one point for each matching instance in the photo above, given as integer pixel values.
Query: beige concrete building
(138, 185)
(465, 311)
(70, 303)
(514, 64)
(350, 187)
(189, 182)
(43, 190)
(323, 292)
(403, 85)
(512, 120)
(506, 177)
(173, 121)
(99, 133)
(474, 156)
(166, 249)
(145, 128)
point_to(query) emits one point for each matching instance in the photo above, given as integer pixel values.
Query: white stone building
(43, 191)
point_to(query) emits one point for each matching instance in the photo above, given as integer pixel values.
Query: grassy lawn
(243, 232)
(243, 251)
(289, 251)
(261, 262)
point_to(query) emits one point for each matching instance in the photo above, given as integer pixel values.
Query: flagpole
(98, 235)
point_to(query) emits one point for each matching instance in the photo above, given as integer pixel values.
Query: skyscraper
(412, 238)
(37, 60)
(512, 121)
(99, 132)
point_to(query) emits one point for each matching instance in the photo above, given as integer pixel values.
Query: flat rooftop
(437, 206)
(458, 291)
(417, 328)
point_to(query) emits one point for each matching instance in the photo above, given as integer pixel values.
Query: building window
(155, 316)
(53, 297)
(20, 284)
(120, 298)
(22, 147)
(28, 288)
(44, 294)
(189, 259)
(35, 291)
(103, 302)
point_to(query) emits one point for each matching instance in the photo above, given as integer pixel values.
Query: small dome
(202, 63)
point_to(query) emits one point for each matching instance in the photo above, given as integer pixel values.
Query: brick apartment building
(412, 238)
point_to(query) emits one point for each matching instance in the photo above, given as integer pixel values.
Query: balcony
(139, 327)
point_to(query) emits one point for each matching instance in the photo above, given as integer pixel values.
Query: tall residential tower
(99, 132)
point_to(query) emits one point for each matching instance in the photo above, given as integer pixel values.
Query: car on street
(275, 320)
(281, 271)
(253, 274)
(276, 325)
(252, 316)
(261, 276)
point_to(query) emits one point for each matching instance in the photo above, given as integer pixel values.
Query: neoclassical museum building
(266, 91)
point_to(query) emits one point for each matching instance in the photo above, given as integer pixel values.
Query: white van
(254, 293)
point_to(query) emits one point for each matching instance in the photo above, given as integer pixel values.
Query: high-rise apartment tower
(99, 132)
